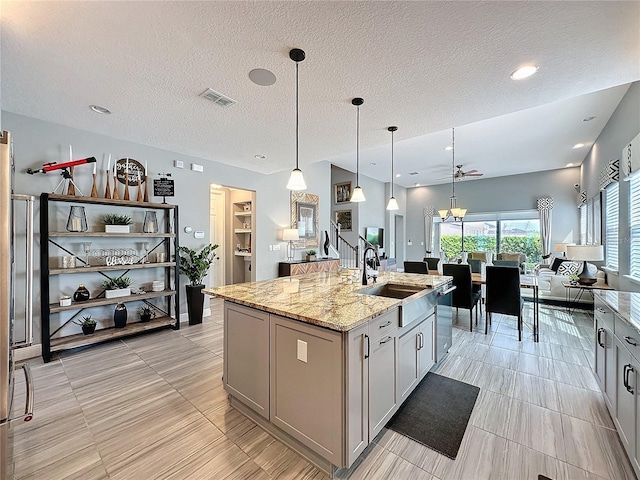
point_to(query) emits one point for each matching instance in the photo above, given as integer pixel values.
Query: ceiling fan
(460, 174)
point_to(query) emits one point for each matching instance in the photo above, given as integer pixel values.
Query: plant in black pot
(87, 323)
(146, 313)
(195, 265)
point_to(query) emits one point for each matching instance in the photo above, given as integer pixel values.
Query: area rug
(436, 414)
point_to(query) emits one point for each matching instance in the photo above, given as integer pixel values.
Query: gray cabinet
(426, 351)
(246, 356)
(357, 381)
(415, 356)
(625, 419)
(605, 361)
(382, 381)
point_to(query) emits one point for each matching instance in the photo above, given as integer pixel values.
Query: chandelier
(454, 211)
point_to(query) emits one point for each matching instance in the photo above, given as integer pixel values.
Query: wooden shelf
(96, 302)
(104, 268)
(242, 254)
(242, 230)
(243, 214)
(106, 334)
(105, 234)
(106, 201)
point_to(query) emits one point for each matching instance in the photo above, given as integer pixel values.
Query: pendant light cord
(358, 147)
(297, 121)
(392, 163)
(453, 162)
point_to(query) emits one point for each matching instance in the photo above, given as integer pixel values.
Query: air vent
(414, 173)
(218, 98)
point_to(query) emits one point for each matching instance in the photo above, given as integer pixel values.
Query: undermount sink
(391, 290)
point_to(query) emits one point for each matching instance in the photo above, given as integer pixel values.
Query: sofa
(552, 276)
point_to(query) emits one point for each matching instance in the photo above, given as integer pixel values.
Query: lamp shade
(393, 204)
(357, 195)
(290, 234)
(296, 180)
(593, 253)
(561, 247)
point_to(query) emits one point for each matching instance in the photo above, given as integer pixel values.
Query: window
(583, 225)
(522, 236)
(611, 199)
(634, 227)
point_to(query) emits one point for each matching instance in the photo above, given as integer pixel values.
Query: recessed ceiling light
(524, 72)
(578, 145)
(588, 119)
(448, 148)
(99, 109)
(261, 157)
(398, 175)
(373, 163)
(569, 164)
(262, 77)
(417, 184)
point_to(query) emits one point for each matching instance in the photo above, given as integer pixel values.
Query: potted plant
(117, 287)
(311, 255)
(195, 265)
(87, 323)
(146, 313)
(114, 223)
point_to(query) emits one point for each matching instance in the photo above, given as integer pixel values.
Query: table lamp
(562, 248)
(592, 253)
(290, 234)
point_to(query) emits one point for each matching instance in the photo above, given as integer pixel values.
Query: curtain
(428, 212)
(545, 206)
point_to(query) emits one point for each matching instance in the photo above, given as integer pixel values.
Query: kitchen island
(322, 362)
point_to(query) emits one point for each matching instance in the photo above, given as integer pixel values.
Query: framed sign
(344, 218)
(342, 193)
(163, 187)
(304, 218)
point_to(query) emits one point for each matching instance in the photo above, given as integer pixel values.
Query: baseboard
(25, 353)
(184, 317)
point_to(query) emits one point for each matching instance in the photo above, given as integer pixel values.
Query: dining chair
(503, 294)
(506, 263)
(415, 267)
(464, 296)
(432, 263)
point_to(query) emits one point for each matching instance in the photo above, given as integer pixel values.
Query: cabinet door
(600, 349)
(610, 392)
(426, 353)
(246, 356)
(625, 419)
(382, 382)
(358, 351)
(408, 362)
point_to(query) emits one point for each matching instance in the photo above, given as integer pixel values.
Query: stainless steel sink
(411, 309)
(391, 290)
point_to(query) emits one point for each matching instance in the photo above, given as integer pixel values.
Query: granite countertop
(324, 299)
(625, 304)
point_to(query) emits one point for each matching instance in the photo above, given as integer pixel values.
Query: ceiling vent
(413, 173)
(218, 98)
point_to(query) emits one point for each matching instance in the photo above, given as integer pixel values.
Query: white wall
(516, 192)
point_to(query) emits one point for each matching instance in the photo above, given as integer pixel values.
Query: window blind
(611, 225)
(634, 224)
(583, 225)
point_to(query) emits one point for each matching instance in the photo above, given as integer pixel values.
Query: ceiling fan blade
(471, 171)
(473, 174)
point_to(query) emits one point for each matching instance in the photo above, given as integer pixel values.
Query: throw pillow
(569, 268)
(556, 263)
(511, 256)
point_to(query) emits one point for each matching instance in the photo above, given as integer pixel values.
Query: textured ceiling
(424, 66)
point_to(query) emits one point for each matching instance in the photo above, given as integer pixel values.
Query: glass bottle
(150, 224)
(77, 221)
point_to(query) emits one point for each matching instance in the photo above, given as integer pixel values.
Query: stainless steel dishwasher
(444, 321)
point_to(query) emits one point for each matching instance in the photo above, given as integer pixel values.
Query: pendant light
(454, 211)
(358, 194)
(296, 180)
(393, 203)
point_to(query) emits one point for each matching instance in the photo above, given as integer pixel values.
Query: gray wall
(512, 193)
(622, 127)
(37, 142)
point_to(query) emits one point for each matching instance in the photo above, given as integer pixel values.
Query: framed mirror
(304, 218)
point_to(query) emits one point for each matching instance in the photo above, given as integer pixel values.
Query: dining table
(526, 281)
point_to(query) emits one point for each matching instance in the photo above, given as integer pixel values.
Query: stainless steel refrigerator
(7, 307)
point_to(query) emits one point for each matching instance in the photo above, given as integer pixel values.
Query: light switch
(276, 247)
(198, 234)
(302, 351)
(271, 248)
(178, 164)
(197, 168)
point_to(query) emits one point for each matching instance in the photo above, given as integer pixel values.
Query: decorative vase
(77, 221)
(120, 316)
(145, 318)
(195, 303)
(327, 242)
(311, 258)
(117, 292)
(117, 228)
(150, 224)
(81, 294)
(88, 329)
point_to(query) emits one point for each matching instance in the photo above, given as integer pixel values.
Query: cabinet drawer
(603, 315)
(628, 336)
(383, 325)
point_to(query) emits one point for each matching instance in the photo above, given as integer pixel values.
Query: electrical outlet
(197, 168)
(178, 164)
(421, 243)
(276, 247)
(271, 248)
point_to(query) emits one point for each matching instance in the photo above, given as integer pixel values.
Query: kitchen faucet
(365, 277)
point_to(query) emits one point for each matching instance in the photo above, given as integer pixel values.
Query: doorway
(399, 240)
(217, 209)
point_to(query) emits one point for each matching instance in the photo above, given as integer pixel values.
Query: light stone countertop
(324, 299)
(625, 304)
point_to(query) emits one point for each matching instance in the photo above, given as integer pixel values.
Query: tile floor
(154, 407)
